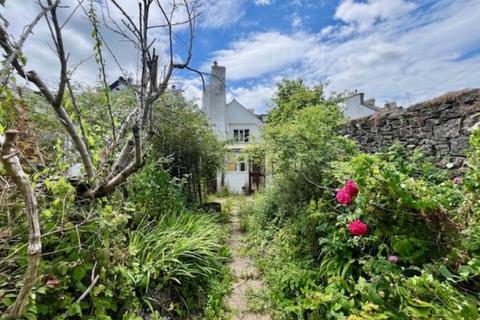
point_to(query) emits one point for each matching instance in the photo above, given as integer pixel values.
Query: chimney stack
(370, 102)
(214, 99)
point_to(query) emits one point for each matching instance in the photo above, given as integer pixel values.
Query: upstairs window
(241, 135)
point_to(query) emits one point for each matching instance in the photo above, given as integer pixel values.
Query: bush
(153, 257)
(335, 275)
(405, 247)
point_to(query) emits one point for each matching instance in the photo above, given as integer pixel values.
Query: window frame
(241, 135)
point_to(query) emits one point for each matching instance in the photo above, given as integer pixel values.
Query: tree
(122, 152)
(301, 139)
(293, 95)
(195, 152)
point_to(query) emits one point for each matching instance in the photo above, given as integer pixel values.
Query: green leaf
(75, 309)
(445, 272)
(464, 272)
(78, 273)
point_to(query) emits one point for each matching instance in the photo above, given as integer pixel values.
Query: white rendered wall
(233, 181)
(224, 118)
(353, 108)
(238, 117)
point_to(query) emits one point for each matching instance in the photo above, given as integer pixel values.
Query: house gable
(238, 114)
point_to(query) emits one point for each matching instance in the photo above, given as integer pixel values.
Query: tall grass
(175, 259)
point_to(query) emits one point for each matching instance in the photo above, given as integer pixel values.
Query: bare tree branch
(12, 165)
(18, 46)
(149, 88)
(54, 101)
(101, 63)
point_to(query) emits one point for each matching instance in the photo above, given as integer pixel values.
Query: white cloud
(410, 58)
(193, 89)
(326, 31)
(297, 21)
(221, 13)
(365, 14)
(263, 2)
(257, 97)
(261, 53)
(78, 40)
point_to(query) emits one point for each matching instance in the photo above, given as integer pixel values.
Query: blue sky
(403, 50)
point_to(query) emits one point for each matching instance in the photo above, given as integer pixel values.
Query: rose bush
(394, 252)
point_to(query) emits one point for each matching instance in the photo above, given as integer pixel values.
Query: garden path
(246, 275)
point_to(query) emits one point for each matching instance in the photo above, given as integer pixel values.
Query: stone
(439, 127)
(441, 149)
(471, 122)
(458, 146)
(450, 128)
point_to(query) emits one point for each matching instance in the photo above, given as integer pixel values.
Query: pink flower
(357, 228)
(393, 259)
(351, 187)
(53, 282)
(457, 180)
(343, 197)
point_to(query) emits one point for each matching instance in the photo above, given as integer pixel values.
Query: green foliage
(183, 135)
(219, 289)
(149, 263)
(174, 259)
(473, 178)
(153, 257)
(302, 145)
(291, 96)
(156, 192)
(316, 269)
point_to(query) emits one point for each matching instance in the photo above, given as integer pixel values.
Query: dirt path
(245, 273)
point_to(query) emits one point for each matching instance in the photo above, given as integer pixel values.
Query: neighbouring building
(355, 106)
(238, 126)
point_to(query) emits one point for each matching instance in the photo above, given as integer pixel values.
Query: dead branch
(54, 100)
(19, 44)
(149, 88)
(12, 165)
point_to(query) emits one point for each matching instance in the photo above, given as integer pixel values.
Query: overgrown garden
(346, 235)
(102, 190)
(147, 251)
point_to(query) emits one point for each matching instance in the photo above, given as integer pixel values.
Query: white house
(354, 106)
(236, 125)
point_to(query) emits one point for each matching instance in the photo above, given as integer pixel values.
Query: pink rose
(351, 187)
(393, 259)
(357, 228)
(343, 197)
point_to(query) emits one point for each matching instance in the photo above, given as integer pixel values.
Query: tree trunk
(12, 165)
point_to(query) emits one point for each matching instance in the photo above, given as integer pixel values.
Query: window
(242, 166)
(231, 166)
(241, 135)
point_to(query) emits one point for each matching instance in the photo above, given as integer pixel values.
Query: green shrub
(419, 257)
(316, 269)
(155, 192)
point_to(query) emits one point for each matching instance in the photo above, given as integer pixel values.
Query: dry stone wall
(440, 127)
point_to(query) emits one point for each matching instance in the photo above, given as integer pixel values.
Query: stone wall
(440, 127)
